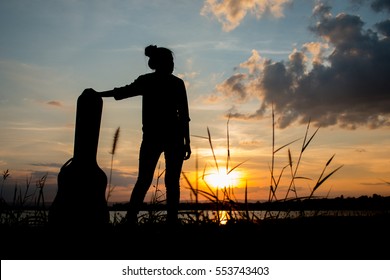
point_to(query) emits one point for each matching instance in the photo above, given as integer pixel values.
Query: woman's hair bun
(150, 50)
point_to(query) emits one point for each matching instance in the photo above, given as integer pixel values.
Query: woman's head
(160, 59)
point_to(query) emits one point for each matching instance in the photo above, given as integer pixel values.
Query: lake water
(224, 216)
(201, 215)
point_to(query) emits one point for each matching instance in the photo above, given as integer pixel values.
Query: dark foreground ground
(334, 238)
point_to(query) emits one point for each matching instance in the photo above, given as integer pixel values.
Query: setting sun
(222, 179)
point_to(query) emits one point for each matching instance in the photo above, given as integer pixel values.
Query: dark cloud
(346, 86)
(118, 178)
(55, 103)
(121, 179)
(376, 5)
(235, 87)
(384, 27)
(52, 164)
(380, 5)
(37, 175)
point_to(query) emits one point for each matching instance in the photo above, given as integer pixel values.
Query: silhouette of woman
(165, 127)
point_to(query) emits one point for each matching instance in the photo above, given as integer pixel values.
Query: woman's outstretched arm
(107, 93)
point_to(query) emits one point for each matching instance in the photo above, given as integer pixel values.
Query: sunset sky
(327, 61)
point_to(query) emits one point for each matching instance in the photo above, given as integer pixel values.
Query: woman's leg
(173, 164)
(148, 157)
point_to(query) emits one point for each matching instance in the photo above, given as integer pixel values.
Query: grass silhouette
(111, 188)
(232, 230)
(227, 208)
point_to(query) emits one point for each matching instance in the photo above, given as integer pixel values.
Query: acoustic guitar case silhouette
(80, 198)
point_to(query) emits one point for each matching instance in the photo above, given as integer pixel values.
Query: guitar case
(80, 198)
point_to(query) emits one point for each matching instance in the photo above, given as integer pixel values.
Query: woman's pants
(149, 155)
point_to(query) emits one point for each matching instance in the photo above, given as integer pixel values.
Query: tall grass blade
(115, 141)
(212, 149)
(196, 178)
(193, 190)
(246, 200)
(329, 161)
(321, 180)
(311, 138)
(228, 144)
(319, 183)
(5, 176)
(271, 189)
(238, 165)
(113, 149)
(277, 150)
(290, 158)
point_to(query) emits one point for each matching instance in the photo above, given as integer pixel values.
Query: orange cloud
(230, 12)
